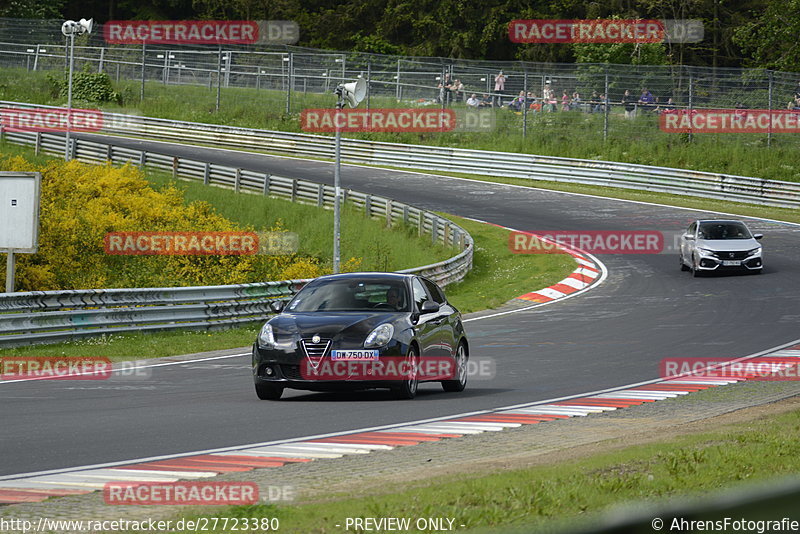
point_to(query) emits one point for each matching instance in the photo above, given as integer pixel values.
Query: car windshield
(350, 295)
(727, 230)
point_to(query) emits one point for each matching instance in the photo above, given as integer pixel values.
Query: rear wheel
(408, 387)
(269, 391)
(460, 381)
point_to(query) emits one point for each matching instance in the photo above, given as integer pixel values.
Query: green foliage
(770, 37)
(87, 86)
(32, 9)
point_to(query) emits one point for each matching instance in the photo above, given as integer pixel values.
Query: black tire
(407, 389)
(462, 357)
(268, 391)
(683, 265)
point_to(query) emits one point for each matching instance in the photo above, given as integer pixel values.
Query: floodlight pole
(69, 93)
(337, 185)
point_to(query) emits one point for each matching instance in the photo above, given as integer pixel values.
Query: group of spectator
(452, 90)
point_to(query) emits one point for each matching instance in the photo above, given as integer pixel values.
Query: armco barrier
(50, 316)
(591, 172)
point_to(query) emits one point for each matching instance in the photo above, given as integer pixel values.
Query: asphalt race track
(615, 334)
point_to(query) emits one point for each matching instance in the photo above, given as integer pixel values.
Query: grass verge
(569, 494)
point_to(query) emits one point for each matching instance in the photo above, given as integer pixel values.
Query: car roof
(371, 275)
(720, 221)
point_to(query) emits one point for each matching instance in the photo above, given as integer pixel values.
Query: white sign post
(19, 217)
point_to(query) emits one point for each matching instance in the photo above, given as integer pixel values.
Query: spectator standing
(499, 87)
(548, 98)
(628, 104)
(646, 100)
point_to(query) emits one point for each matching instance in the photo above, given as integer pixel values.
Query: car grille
(732, 255)
(291, 372)
(315, 351)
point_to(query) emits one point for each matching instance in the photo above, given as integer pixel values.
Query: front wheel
(269, 391)
(683, 265)
(460, 382)
(408, 388)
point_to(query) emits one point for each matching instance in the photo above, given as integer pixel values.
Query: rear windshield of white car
(730, 230)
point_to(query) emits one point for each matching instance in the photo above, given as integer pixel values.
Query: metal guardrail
(480, 162)
(50, 316)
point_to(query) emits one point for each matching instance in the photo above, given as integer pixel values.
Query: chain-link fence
(560, 102)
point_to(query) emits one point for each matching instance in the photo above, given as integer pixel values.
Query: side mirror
(277, 305)
(758, 236)
(688, 237)
(430, 306)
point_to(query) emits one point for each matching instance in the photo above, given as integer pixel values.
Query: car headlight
(266, 338)
(706, 252)
(755, 251)
(379, 336)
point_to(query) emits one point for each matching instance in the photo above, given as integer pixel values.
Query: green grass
(140, 346)
(499, 275)
(550, 497)
(565, 134)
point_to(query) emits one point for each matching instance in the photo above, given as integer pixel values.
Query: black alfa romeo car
(362, 331)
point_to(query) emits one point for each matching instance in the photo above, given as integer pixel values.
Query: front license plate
(354, 355)
(731, 263)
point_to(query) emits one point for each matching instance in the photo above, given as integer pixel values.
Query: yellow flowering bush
(81, 203)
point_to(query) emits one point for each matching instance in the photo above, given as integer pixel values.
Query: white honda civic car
(720, 245)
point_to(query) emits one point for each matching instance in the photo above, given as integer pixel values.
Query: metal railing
(479, 162)
(50, 316)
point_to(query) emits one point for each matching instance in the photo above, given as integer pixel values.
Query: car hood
(731, 245)
(330, 324)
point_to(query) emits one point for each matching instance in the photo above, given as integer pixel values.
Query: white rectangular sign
(19, 211)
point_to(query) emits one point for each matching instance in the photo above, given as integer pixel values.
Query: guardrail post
(461, 239)
(368, 205)
(421, 223)
(405, 214)
(142, 160)
(345, 193)
(446, 239)
(73, 148)
(174, 167)
(388, 212)
(434, 229)
(207, 174)
(237, 181)
(38, 147)
(266, 184)
(2, 131)
(110, 153)
(321, 195)
(294, 189)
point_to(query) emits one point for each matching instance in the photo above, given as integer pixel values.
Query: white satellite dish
(353, 93)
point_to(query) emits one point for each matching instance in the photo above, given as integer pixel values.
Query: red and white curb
(590, 271)
(36, 487)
